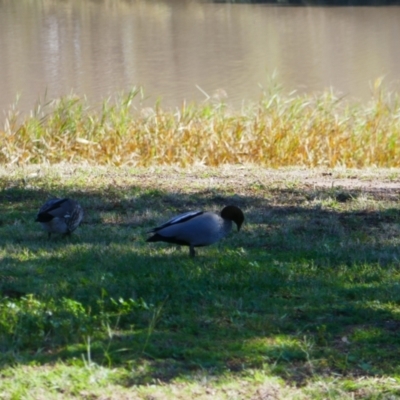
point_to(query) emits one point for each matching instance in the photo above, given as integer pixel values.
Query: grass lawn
(302, 303)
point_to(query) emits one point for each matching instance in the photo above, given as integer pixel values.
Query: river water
(186, 50)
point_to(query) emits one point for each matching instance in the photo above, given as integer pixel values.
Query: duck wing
(52, 208)
(178, 220)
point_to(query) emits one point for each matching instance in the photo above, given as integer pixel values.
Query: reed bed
(280, 130)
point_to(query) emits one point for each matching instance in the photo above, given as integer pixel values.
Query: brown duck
(60, 216)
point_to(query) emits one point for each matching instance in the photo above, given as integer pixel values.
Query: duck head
(234, 214)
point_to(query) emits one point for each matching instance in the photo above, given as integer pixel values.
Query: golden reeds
(277, 131)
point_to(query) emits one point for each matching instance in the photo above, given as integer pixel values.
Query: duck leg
(191, 251)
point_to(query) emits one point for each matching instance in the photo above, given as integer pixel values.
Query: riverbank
(301, 303)
(278, 131)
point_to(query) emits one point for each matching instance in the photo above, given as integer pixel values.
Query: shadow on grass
(309, 287)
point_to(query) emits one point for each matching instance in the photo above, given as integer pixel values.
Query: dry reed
(277, 131)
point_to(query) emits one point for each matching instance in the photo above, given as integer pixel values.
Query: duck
(60, 216)
(198, 228)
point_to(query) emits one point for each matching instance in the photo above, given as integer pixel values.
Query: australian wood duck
(60, 216)
(198, 228)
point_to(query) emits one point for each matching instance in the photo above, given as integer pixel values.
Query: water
(185, 50)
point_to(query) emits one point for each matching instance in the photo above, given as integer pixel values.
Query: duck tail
(155, 238)
(44, 217)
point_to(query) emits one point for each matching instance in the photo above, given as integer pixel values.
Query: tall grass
(279, 130)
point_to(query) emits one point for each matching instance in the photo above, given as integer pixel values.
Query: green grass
(304, 302)
(277, 131)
